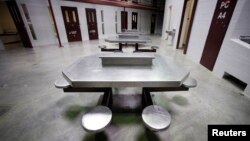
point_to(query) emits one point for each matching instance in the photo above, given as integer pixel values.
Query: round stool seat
(190, 83)
(154, 47)
(102, 46)
(97, 119)
(62, 83)
(156, 118)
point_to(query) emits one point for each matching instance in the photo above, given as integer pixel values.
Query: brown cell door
(152, 29)
(124, 20)
(221, 18)
(71, 22)
(134, 20)
(17, 18)
(92, 23)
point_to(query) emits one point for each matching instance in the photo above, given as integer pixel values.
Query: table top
(129, 39)
(131, 32)
(140, 59)
(89, 72)
(127, 55)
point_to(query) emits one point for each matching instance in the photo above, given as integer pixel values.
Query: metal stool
(155, 47)
(96, 119)
(156, 118)
(190, 83)
(104, 48)
(62, 83)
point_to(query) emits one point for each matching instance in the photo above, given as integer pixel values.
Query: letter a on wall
(218, 28)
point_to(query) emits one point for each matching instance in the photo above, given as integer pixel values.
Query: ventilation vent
(235, 81)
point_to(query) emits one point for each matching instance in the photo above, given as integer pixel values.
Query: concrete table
(129, 39)
(90, 74)
(132, 32)
(119, 59)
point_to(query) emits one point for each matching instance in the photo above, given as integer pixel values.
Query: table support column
(136, 47)
(146, 98)
(120, 46)
(107, 99)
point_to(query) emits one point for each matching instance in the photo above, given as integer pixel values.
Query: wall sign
(218, 28)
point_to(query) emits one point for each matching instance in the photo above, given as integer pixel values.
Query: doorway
(153, 20)
(92, 23)
(13, 31)
(134, 20)
(124, 20)
(71, 22)
(186, 24)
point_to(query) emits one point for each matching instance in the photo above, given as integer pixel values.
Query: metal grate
(245, 39)
(235, 81)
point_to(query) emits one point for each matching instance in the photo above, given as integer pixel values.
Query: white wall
(177, 6)
(144, 19)
(108, 12)
(109, 19)
(43, 27)
(39, 15)
(240, 22)
(201, 24)
(234, 54)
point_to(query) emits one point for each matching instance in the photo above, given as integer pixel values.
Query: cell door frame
(153, 15)
(134, 18)
(124, 20)
(189, 27)
(77, 19)
(19, 23)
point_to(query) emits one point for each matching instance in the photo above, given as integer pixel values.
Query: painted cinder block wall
(234, 54)
(43, 26)
(42, 23)
(201, 24)
(233, 57)
(177, 6)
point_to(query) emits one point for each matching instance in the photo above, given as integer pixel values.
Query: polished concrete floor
(32, 109)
